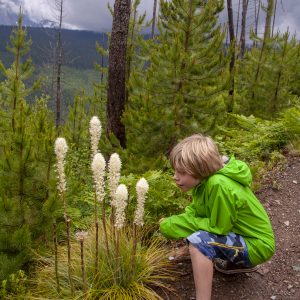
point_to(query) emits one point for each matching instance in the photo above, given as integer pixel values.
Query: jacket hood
(237, 171)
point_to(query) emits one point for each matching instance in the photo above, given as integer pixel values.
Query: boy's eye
(180, 173)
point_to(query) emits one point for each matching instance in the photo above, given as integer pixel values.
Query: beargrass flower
(61, 149)
(81, 235)
(114, 173)
(142, 188)
(95, 133)
(98, 168)
(120, 205)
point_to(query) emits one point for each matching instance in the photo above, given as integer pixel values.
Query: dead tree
(232, 60)
(274, 16)
(153, 19)
(58, 64)
(243, 28)
(116, 92)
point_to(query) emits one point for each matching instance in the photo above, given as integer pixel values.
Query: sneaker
(227, 267)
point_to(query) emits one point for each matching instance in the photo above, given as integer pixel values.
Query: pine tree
(271, 88)
(175, 91)
(23, 188)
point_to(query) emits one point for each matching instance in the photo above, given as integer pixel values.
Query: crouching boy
(225, 223)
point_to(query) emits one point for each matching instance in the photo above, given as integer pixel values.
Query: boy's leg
(203, 273)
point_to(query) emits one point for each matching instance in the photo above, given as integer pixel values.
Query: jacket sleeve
(220, 216)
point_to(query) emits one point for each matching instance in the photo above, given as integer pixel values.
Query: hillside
(79, 46)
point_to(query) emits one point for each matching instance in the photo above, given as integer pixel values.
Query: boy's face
(185, 181)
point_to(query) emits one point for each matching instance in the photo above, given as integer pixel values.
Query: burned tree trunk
(116, 92)
(243, 28)
(232, 60)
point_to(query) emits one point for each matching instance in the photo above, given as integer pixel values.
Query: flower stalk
(98, 170)
(80, 236)
(56, 256)
(121, 198)
(61, 149)
(114, 174)
(142, 188)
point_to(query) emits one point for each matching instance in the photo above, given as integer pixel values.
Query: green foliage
(15, 287)
(177, 85)
(25, 162)
(263, 77)
(253, 139)
(291, 121)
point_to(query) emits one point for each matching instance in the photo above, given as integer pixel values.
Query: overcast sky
(94, 15)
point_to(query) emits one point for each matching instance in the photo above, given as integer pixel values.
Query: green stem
(56, 256)
(104, 226)
(82, 267)
(97, 234)
(69, 254)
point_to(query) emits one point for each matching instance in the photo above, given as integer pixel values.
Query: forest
(85, 175)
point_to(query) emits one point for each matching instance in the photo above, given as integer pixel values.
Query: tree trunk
(232, 61)
(274, 15)
(266, 37)
(117, 70)
(256, 18)
(153, 19)
(270, 10)
(237, 18)
(243, 29)
(58, 64)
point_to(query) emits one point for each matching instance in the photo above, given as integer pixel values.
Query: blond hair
(196, 155)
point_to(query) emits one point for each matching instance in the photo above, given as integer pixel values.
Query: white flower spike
(61, 149)
(81, 235)
(120, 204)
(114, 174)
(142, 188)
(98, 169)
(95, 133)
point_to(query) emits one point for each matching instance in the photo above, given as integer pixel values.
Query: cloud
(94, 14)
(10, 6)
(77, 14)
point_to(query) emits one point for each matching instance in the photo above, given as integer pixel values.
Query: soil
(277, 279)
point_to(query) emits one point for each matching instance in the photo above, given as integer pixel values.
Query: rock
(295, 181)
(263, 270)
(171, 257)
(296, 268)
(289, 286)
(287, 223)
(273, 297)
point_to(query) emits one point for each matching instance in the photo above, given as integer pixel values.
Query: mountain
(79, 46)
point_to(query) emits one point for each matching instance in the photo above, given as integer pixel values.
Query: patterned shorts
(231, 247)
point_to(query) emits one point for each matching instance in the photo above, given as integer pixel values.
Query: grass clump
(117, 277)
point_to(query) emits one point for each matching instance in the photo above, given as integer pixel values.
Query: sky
(94, 14)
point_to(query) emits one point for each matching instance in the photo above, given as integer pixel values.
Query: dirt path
(278, 279)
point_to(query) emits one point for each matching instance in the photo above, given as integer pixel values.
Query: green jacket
(224, 203)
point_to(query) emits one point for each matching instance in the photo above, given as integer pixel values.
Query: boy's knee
(193, 250)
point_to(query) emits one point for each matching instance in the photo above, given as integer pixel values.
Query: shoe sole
(236, 271)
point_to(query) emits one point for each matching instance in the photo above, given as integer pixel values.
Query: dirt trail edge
(278, 279)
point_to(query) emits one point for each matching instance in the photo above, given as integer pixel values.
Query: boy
(225, 221)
